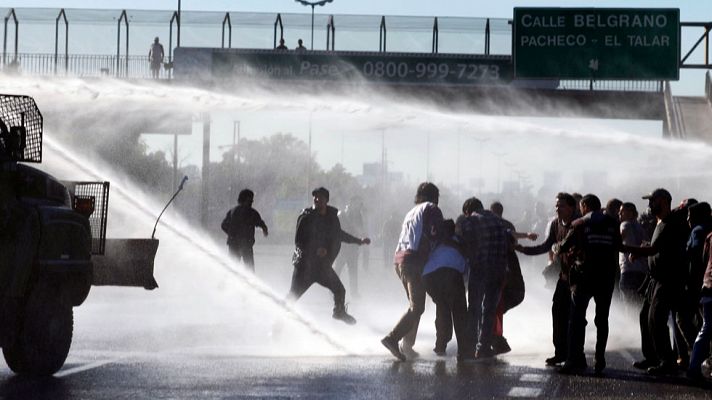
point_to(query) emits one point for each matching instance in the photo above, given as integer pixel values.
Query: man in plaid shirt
(487, 240)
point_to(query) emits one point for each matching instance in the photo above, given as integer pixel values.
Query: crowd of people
(658, 261)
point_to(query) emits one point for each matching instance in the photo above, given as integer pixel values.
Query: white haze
(205, 304)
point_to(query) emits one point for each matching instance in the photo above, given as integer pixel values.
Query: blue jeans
(701, 349)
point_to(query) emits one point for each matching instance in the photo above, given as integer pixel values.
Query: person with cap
(665, 285)
(239, 225)
(155, 57)
(419, 235)
(318, 241)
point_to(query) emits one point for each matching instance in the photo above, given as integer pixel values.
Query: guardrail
(673, 121)
(83, 65)
(627, 86)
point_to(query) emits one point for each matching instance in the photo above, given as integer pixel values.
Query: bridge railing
(673, 127)
(82, 65)
(628, 86)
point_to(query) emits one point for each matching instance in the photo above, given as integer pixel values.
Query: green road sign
(596, 43)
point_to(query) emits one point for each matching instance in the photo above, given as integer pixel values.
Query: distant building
(373, 175)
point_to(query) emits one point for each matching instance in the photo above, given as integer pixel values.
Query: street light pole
(499, 161)
(235, 154)
(481, 141)
(313, 4)
(309, 164)
(457, 188)
(312, 28)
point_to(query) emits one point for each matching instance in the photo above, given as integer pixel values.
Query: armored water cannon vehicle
(53, 246)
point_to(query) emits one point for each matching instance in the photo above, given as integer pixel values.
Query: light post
(481, 141)
(499, 162)
(427, 157)
(235, 153)
(313, 4)
(235, 148)
(309, 163)
(178, 36)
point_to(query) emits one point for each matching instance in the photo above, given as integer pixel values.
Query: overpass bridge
(480, 80)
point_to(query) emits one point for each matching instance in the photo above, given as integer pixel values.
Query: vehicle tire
(45, 335)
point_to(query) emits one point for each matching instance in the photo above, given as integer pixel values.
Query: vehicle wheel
(45, 335)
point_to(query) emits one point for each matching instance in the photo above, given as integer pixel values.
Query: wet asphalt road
(106, 375)
(180, 343)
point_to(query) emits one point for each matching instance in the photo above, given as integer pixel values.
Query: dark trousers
(646, 338)
(485, 290)
(243, 252)
(407, 327)
(318, 271)
(701, 349)
(560, 309)
(447, 289)
(685, 324)
(661, 299)
(601, 290)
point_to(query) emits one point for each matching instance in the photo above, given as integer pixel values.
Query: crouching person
(444, 283)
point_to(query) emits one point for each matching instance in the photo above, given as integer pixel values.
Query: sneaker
(500, 345)
(644, 364)
(484, 352)
(572, 368)
(599, 366)
(392, 346)
(695, 375)
(409, 352)
(552, 361)
(466, 358)
(663, 369)
(341, 314)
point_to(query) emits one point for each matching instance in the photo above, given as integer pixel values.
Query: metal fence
(627, 86)
(83, 65)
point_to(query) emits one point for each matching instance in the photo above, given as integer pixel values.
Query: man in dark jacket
(596, 240)
(239, 224)
(318, 241)
(557, 230)
(665, 287)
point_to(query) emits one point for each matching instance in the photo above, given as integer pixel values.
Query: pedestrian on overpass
(300, 47)
(155, 57)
